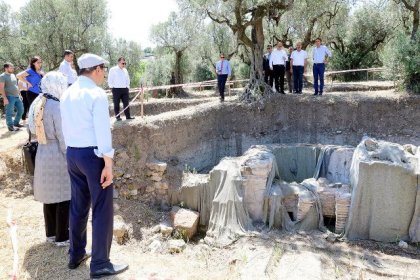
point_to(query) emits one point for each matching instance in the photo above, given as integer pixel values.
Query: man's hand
(325, 61)
(106, 176)
(5, 101)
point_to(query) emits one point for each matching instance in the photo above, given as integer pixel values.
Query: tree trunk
(256, 86)
(416, 20)
(178, 72)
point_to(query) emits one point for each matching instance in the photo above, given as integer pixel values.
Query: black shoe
(130, 118)
(114, 269)
(74, 265)
(11, 128)
(282, 92)
(315, 93)
(320, 93)
(118, 119)
(18, 125)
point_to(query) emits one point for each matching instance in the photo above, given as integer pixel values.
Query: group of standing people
(278, 63)
(19, 91)
(73, 166)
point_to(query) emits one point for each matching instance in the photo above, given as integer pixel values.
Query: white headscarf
(54, 83)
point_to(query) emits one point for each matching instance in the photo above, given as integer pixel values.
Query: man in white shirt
(320, 55)
(66, 67)
(298, 62)
(87, 134)
(119, 83)
(278, 60)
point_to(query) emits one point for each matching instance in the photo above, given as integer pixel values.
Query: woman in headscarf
(32, 77)
(51, 179)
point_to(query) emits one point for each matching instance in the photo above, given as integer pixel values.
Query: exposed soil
(262, 255)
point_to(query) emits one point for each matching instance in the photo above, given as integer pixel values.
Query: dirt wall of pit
(199, 136)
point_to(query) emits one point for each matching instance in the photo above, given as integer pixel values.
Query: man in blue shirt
(223, 71)
(87, 133)
(320, 55)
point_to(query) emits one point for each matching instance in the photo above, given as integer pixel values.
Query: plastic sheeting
(295, 162)
(229, 218)
(385, 195)
(196, 193)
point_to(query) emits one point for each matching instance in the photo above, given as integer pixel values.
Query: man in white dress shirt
(87, 134)
(298, 62)
(66, 67)
(278, 60)
(119, 83)
(320, 56)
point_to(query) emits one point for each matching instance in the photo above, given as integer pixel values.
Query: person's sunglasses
(104, 67)
(222, 57)
(123, 63)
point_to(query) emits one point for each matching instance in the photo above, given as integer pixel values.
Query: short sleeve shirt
(10, 84)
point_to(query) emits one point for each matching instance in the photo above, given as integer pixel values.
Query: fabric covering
(296, 162)
(229, 219)
(384, 180)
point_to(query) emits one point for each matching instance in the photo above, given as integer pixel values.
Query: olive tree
(48, 27)
(176, 35)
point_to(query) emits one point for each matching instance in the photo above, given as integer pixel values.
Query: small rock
(176, 246)
(156, 229)
(121, 230)
(150, 189)
(331, 238)
(156, 178)
(338, 132)
(155, 246)
(127, 176)
(116, 207)
(165, 230)
(403, 244)
(123, 156)
(133, 192)
(162, 192)
(163, 185)
(118, 173)
(115, 193)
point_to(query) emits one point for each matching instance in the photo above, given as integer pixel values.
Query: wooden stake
(142, 101)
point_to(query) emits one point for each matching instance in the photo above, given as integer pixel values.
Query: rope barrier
(141, 90)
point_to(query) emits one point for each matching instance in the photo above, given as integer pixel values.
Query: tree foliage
(50, 26)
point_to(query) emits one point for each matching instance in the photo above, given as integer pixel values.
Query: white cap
(89, 60)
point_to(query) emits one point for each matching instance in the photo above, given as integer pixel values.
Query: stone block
(185, 221)
(157, 166)
(176, 246)
(156, 178)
